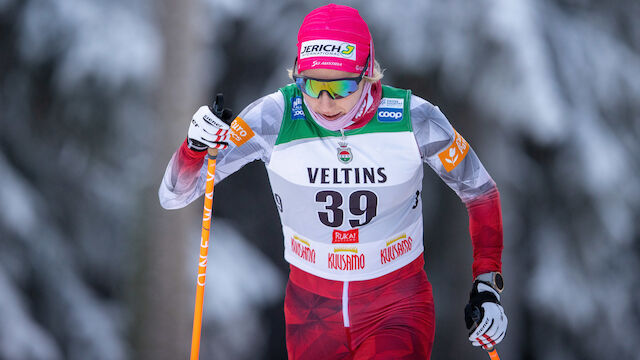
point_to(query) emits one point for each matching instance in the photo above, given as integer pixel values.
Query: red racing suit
(350, 208)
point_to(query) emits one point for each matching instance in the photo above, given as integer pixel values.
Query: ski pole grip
(217, 108)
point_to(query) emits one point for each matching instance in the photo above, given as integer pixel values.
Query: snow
(101, 40)
(247, 279)
(240, 281)
(22, 337)
(17, 205)
(71, 308)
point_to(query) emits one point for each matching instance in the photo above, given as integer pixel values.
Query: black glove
(484, 316)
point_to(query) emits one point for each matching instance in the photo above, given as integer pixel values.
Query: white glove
(208, 131)
(484, 316)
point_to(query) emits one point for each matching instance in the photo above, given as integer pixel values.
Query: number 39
(335, 216)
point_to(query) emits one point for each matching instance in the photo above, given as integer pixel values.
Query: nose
(325, 103)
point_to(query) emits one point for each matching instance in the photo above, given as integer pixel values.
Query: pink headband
(335, 37)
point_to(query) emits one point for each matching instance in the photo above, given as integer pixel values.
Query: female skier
(345, 156)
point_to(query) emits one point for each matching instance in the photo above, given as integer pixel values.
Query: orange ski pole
(204, 250)
(493, 353)
(224, 115)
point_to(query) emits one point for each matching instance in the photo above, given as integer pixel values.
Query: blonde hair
(378, 73)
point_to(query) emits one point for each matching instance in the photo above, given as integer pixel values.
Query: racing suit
(351, 211)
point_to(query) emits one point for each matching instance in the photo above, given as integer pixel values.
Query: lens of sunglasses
(337, 89)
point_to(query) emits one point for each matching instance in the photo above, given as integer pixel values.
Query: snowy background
(95, 96)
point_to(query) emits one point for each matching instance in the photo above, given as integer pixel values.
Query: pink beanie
(335, 37)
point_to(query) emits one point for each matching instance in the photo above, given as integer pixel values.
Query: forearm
(485, 228)
(180, 182)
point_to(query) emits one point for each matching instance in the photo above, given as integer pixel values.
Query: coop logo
(390, 110)
(396, 248)
(389, 116)
(327, 48)
(345, 237)
(240, 131)
(455, 153)
(296, 109)
(303, 249)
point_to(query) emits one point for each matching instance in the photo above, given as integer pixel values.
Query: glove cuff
(196, 145)
(482, 292)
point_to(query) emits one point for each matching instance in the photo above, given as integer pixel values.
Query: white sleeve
(262, 118)
(436, 140)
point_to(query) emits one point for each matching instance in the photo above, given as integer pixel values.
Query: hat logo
(348, 49)
(327, 48)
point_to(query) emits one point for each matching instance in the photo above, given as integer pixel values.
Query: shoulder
(264, 115)
(431, 127)
(266, 105)
(424, 113)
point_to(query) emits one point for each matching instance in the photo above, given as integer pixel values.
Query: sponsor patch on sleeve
(455, 153)
(240, 131)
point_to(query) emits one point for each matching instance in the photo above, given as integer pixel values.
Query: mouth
(331, 117)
